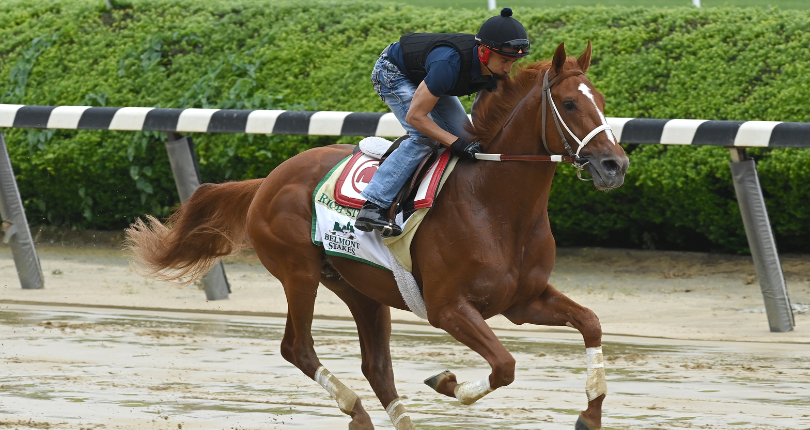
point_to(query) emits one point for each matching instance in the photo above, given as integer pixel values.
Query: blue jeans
(397, 92)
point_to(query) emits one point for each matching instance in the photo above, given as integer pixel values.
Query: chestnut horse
(485, 248)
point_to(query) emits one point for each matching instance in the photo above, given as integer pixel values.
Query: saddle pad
(361, 168)
(333, 222)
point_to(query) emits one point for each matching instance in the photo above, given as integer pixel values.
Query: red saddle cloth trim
(362, 168)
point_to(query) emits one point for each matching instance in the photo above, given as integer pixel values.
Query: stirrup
(388, 230)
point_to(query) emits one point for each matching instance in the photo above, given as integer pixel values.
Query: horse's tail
(209, 226)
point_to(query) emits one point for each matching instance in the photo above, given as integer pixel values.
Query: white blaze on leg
(342, 394)
(468, 392)
(400, 418)
(587, 91)
(596, 384)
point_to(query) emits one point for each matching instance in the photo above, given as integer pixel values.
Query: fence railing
(735, 135)
(332, 123)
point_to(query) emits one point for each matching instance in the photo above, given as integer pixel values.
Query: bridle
(578, 162)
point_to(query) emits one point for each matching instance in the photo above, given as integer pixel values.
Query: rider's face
(500, 65)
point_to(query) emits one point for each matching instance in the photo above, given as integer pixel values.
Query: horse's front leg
(553, 308)
(465, 323)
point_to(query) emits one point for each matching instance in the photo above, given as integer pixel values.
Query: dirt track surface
(77, 368)
(681, 350)
(640, 293)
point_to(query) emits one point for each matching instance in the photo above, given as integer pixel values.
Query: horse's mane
(494, 108)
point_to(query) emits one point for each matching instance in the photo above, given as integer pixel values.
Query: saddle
(338, 198)
(379, 148)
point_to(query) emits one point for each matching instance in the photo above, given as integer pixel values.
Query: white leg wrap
(468, 392)
(400, 418)
(596, 384)
(342, 394)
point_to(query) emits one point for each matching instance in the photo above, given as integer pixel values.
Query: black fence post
(15, 225)
(761, 241)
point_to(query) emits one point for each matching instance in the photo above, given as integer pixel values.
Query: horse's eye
(568, 104)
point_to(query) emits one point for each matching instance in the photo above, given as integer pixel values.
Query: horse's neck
(521, 132)
(518, 186)
(517, 190)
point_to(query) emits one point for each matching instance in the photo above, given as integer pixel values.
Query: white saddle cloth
(336, 202)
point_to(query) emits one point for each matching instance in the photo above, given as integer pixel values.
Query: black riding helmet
(504, 35)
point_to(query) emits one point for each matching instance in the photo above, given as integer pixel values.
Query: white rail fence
(735, 135)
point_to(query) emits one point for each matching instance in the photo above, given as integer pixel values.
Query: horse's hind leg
(374, 329)
(553, 308)
(297, 346)
(283, 246)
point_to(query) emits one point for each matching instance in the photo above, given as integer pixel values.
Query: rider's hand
(465, 149)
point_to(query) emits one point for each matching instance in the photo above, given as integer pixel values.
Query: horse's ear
(584, 60)
(559, 59)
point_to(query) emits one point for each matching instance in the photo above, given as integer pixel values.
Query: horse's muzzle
(608, 171)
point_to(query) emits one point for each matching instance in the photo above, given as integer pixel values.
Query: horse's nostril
(610, 166)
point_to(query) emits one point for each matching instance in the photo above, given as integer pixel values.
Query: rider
(420, 78)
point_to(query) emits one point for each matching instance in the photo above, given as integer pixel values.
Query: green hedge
(716, 63)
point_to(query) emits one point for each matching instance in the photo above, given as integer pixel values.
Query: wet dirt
(82, 368)
(685, 343)
(645, 293)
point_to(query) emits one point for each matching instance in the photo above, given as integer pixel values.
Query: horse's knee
(365, 367)
(589, 326)
(503, 371)
(373, 370)
(368, 367)
(435, 318)
(299, 354)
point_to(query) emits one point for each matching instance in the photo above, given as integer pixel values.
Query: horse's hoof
(360, 419)
(582, 425)
(434, 381)
(405, 424)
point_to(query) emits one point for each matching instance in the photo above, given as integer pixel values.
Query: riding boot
(373, 217)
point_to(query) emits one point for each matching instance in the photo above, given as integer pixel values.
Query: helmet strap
(485, 60)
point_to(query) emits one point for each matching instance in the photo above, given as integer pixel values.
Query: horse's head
(574, 123)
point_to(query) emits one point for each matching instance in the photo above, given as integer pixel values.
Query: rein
(510, 157)
(573, 157)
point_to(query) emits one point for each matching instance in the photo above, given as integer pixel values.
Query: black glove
(465, 149)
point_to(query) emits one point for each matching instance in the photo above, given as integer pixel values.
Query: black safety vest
(416, 47)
